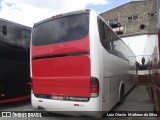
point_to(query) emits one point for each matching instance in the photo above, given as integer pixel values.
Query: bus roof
(62, 15)
(17, 24)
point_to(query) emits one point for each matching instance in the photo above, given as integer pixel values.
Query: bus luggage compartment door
(68, 76)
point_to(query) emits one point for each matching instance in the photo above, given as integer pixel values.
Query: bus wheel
(122, 95)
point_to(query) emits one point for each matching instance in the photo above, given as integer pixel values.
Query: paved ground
(137, 100)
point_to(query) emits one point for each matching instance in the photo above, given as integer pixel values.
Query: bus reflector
(76, 104)
(40, 100)
(94, 90)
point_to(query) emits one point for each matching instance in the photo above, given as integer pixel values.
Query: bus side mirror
(4, 30)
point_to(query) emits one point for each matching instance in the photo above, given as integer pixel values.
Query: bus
(14, 61)
(153, 65)
(79, 65)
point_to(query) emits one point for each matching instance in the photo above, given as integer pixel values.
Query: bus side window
(109, 40)
(101, 29)
(105, 36)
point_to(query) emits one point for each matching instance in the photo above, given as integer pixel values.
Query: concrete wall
(142, 45)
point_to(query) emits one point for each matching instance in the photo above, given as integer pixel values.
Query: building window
(152, 15)
(110, 41)
(132, 18)
(114, 23)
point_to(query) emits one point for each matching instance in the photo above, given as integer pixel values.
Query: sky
(28, 12)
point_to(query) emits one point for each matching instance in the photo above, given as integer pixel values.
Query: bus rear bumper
(91, 108)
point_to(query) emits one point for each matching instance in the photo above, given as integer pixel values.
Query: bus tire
(121, 95)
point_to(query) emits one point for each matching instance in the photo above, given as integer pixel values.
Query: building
(133, 18)
(136, 23)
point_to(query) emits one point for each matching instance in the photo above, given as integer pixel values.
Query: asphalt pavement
(137, 99)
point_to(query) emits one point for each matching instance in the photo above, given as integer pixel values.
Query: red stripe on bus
(15, 99)
(75, 46)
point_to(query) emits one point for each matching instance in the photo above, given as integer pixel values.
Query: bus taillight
(94, 90)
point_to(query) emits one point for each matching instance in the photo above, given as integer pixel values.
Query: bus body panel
(62, 48)
(115, 73)
(74, 108)
(96, 58)
(68, 76)
(14, 62)
(153, 66)
(62, 66)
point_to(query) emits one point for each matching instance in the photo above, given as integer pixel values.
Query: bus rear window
(63, 29)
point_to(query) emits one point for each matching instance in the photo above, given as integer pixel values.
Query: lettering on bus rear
(64, 98)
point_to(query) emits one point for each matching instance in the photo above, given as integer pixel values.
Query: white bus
(79, 65)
